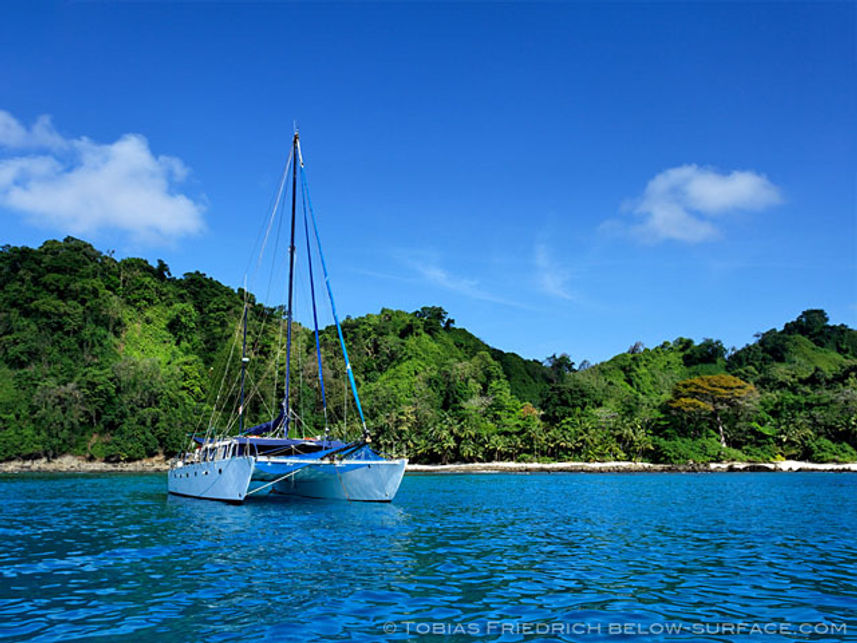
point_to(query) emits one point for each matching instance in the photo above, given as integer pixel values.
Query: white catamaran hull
(356, 480)
(225, 479)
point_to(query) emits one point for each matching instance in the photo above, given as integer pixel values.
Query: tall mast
(286, 407)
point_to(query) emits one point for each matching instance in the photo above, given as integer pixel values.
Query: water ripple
(479, 557)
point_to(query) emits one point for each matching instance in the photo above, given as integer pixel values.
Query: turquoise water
(582, 557)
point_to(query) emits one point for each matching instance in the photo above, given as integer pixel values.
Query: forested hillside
(119, 360)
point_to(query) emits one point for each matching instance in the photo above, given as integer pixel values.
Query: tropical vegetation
(120, 360)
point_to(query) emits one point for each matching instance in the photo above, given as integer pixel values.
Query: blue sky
(560, 177)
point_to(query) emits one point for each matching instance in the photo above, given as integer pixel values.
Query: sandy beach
(76, 464)
(627, 467)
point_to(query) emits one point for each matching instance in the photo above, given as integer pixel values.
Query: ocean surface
(575, 557)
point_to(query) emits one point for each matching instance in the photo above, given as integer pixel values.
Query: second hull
(356, 480)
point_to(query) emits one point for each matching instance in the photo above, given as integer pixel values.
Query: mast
(286, 407)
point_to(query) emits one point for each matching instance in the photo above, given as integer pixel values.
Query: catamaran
(265, 458)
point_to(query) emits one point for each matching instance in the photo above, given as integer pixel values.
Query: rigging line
(214, 405)
(275, 253)
(276, 380)
(281, 325)
(244, 360)
(268, 312)
(216, 401)
(314, 309)
(276, 359)
(264, 317)
(273, 214)
(255, 387)
(280, 312)
(254, 343)
(273, 482)
(231, 411)
(301, 396)
(306, 393)
(261, 327)
(300, 294)
(220, 367)
(258, 334)
(300, 420)
(333, 305)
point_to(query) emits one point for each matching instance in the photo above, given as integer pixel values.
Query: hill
(120, 360)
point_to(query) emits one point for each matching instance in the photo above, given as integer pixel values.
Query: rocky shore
(76, 464)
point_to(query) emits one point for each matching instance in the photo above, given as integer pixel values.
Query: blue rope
(314, 310)
(332, 304)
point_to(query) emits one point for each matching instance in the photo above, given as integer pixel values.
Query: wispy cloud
(682, 203)
(440, 277)
(551, 277)
(14, 135)
(82, 187)
(427, 269)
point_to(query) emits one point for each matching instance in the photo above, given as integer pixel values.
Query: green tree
(560, 366)
(714, 395)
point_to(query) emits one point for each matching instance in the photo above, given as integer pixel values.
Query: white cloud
(551, 277)
(83, 187)
(41, 134)
(682, 203)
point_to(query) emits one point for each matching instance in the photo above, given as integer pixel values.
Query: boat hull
(224, 479)
(355, 480)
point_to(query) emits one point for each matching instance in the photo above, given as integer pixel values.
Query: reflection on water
(112, 555)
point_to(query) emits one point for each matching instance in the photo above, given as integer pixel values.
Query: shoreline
(76, 464)
(631, 467)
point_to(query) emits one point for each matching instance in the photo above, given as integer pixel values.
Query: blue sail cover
(267, 427)
(276, 443)
(290, 442)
